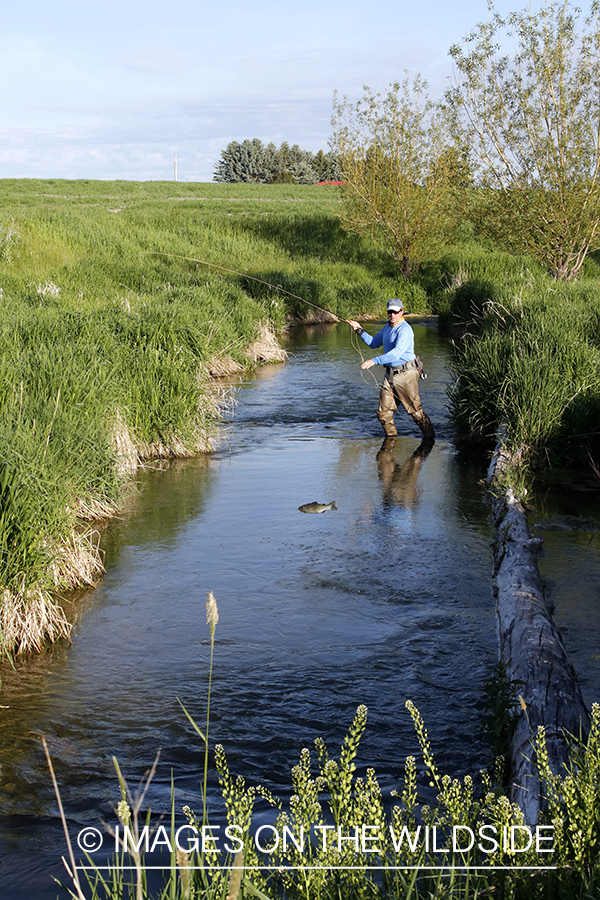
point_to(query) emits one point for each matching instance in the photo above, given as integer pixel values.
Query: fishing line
(356, 342)
(275, 287)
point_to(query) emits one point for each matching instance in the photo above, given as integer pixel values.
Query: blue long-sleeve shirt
(398, 344)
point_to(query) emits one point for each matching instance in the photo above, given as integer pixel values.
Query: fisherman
(401, 382)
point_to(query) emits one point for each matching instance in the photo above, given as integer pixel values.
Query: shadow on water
(383, 599)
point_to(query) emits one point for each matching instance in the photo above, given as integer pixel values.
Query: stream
(383, 599)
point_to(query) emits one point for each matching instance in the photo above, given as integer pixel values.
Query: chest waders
(401, 386)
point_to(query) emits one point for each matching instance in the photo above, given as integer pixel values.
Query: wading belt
(390, 371)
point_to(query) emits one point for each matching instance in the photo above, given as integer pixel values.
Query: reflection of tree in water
(399, 482)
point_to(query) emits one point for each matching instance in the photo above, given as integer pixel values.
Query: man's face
(394, 317)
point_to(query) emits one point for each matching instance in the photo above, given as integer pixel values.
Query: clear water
(567, 516)
(388, 597)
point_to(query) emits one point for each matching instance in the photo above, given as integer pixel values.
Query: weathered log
(531, 648)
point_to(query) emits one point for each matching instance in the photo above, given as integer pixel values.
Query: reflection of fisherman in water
(400, 481)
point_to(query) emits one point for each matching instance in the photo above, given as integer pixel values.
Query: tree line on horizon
(253, 162)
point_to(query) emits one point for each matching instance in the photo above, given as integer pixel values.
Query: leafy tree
(531, 119)
(396, 160)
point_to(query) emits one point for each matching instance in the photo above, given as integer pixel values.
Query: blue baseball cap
(395, 306)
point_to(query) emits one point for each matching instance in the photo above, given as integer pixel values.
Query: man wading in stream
(401, 382)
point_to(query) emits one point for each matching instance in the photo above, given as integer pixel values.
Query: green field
(98, 239)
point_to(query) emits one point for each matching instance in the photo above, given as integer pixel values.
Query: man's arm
(374, 341)
(402, 349)
(371, 341)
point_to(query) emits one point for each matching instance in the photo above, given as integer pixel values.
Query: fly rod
(276, 287)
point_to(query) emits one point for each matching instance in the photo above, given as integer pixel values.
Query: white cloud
(117, 94)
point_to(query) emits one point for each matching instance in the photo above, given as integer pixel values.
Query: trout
(317, 507)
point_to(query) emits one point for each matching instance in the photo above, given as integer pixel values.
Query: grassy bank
(111, 330)
(527, 358)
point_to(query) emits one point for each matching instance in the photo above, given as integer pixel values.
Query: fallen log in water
(531, 647)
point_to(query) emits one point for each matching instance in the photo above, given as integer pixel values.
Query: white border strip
(323, 868)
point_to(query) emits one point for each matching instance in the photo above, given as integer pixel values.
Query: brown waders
(401, 385)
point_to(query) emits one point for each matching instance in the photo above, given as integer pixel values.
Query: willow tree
(397, 165)
(531, 118)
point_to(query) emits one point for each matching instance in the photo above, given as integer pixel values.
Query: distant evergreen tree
(252, 161)
(326, 166)
(245, 162)
(298, 163)
(272, 164)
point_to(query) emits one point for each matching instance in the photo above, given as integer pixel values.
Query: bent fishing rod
(275, 287)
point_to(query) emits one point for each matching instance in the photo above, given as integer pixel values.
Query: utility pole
(175, 167)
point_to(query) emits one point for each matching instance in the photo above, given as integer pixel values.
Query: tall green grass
(117, 298)
(527, 358)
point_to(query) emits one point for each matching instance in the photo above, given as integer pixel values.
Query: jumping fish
(317, 507)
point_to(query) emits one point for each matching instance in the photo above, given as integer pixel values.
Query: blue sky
(107, 89)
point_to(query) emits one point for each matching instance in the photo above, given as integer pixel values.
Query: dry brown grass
(266, 348)
(78, 561)
(95, 509)
(317, 316)
(30, 618)
(124, 446)
(175, 449)
(221, 366)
